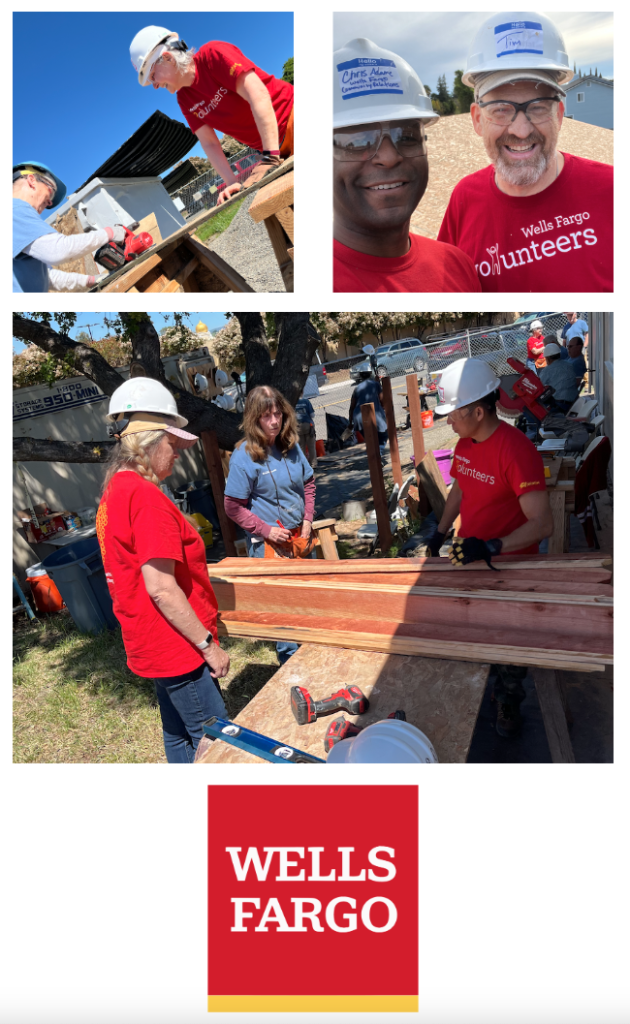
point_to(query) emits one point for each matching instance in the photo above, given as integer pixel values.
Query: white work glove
(117, 234)
(92, 280)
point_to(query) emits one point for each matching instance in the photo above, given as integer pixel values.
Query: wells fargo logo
(234, 67)
(293, 878)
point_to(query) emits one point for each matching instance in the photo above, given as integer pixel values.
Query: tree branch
(145, 343)
(256, 349)
(36, 449)
(297, 344)
(86, 360)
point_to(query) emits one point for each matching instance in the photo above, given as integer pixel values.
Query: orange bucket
(45, 593)
(320, 451)
(427, 419)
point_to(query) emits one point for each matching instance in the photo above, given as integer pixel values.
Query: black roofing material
(157, 144)
(180, 176)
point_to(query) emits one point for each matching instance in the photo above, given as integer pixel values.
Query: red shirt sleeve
(157, 532)
(225, 62)
(525, 470)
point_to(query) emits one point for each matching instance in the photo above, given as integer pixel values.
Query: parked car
(405, 356)
(441, 355)
(318, 370)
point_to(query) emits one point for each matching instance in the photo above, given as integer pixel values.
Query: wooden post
(388, 405)
(217, 479)
(375, 465)
(433, 484)
(549, 693)
(417, 434)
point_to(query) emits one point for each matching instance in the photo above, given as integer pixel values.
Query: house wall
(597, 107)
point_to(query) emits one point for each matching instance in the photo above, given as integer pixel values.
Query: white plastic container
(391, 741)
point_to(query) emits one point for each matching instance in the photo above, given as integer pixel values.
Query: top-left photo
(165, 161)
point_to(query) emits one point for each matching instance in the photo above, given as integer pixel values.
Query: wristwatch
(205, 643)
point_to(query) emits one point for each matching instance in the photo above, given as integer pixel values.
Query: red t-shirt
(135, 523)
(212, 98)
(429, 266)
(493, 475)
(533, 343)
(559, 240)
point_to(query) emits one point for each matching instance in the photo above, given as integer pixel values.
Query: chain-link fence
(202, 193)
(428, 359)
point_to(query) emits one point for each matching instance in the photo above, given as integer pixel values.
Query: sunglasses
(362, 143)
(504, 112)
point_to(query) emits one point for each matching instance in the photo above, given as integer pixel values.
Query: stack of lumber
(547, 611)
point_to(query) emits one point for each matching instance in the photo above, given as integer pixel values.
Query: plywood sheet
(441, 697)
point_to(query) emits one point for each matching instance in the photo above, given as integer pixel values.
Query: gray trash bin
(78, 572)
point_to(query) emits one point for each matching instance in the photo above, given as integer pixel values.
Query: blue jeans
(185, 703)
(284, 649)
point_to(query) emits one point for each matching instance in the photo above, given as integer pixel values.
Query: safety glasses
(503, 112)
(363, 141)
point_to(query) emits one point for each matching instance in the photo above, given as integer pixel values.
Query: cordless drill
(341, 729)
(306, 710)
(112, 256)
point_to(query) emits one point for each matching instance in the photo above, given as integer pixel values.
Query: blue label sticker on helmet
(368, 76)
(518, 37)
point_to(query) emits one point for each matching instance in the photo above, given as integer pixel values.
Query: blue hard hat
(36, 165)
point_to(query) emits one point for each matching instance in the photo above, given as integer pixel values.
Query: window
(580, 97)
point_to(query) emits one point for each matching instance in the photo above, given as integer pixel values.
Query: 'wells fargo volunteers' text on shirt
(492, 476)
(559, 240)
(212, 98)
(429, 266)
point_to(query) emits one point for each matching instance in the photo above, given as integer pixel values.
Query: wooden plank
(396, 565)
(553, 714)
(139, 269)
(194, 223)
(388, 405)
(150, 224)
(327, 540)
(433, 484)
(440, 697)
(273, 197)
(375, 467)
(218, 266)
(279, 242)
(417, 436)
(474, 583)
(286, 219)
(479, 652)
(557, 540)
(217, 479)
(174, 286)
(291, 252)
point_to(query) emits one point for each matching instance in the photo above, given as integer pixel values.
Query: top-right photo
(473, 152)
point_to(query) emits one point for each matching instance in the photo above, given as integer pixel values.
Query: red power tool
(112, 256)
(306, 710)
(523, 390)
(341, 729)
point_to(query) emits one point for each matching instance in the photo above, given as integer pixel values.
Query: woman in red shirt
(155, 566)
(219, 88)
(535, 346)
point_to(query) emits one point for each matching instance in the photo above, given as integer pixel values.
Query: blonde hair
(259, 401)
(134, 452)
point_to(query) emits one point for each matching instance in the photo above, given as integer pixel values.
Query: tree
(287, 71)
(297, 341)
(441, 100)
(463, 95)
(351, 327)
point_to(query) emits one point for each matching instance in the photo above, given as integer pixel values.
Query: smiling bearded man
(380, 174)
(537, 219)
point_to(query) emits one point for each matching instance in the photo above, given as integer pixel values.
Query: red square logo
(312, 898)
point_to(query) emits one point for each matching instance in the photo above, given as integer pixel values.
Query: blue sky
(213, 321)
(80, 99)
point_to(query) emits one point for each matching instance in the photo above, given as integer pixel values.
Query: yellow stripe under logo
(311, 1004)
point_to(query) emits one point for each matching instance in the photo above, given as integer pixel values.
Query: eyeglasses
(504, 112)
(362, 143)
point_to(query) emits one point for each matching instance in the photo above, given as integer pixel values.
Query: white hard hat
(552, 349)
(464, 381)
(224, 402)
(518, 41)
(389, 742)
(536, 325)
(143, 394)
(372, 84)
(147, 46)
(221, 378)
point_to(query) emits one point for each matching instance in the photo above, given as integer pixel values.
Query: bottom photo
(339, 538)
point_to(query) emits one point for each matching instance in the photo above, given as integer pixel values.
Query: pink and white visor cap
(139, 421)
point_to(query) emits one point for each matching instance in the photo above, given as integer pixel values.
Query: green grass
(75, 700)
(218, 223)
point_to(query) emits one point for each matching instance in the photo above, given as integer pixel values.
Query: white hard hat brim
(368, 115)
(496, 80)
(153, 57)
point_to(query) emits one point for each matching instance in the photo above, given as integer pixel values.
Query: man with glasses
(37, 247)
(499, 491)
(218, 88)
(380, 173)
(537, 219)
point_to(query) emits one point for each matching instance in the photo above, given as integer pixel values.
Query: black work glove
(472, 549)
(435, 542)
